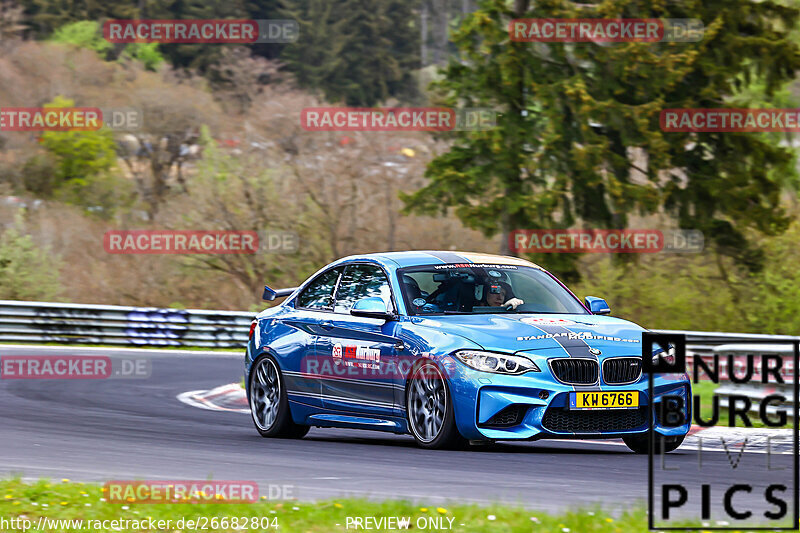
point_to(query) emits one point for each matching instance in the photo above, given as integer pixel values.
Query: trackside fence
(731, 350)
(63, 323)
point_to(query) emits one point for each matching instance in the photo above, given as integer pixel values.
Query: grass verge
(65, 500)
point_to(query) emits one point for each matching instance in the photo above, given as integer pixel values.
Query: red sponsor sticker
(578, 240)
(730, 120)
(378, 119)
(180, 242)
(185, 491)
(554, 30)
(181, 31)
(50, 118)
(547, 321)
(55, 367)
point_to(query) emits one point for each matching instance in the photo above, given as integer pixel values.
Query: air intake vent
(560, 420)
(510, 416)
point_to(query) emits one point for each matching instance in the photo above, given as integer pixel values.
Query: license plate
(604, 400)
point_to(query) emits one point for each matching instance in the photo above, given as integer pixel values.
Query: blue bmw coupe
(452, 347)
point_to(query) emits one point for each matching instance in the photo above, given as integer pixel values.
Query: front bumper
(536, 406)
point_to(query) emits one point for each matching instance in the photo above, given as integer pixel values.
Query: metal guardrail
(47, 322)
(731, 350)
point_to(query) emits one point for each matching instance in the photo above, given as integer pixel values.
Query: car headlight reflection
(497, 363)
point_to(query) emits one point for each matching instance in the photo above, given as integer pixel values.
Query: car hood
(573, 334)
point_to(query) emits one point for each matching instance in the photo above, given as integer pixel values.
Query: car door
(313, 307)
(364, 349)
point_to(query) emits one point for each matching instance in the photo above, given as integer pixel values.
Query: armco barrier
(45, 322)
(707, 345)
(64, 323)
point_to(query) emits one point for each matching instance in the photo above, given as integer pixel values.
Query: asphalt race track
(97, 430)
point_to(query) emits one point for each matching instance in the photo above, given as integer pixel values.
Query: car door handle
(327, 324)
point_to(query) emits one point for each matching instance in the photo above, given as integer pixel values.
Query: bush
(27, 272)
(83, 34)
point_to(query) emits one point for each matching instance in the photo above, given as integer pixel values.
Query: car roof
(437, 257)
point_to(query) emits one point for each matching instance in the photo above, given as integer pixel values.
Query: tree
(80, 154)
(360, 52)
(26, 271)
(578, 141)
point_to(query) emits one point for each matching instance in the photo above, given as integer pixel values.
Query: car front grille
(561, 420)
(622, 370)
(575, 371)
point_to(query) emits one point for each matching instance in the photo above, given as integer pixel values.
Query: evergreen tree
(360, 52)
(578, 141)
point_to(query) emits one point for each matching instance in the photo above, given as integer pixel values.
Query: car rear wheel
(269, 405)
(640, 444)
(429, 408)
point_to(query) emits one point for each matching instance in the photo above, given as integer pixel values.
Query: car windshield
(479, 289)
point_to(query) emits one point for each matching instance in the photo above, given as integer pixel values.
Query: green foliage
(578, 141)
(85, 34)
(691, 292)
(81, 163)
(147, 53)
(45, 16)
(79, 154)
(360, 52)
(88, 34)
(27, 272)
(194, 56)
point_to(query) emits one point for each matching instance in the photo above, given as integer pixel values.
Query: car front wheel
(429, 407)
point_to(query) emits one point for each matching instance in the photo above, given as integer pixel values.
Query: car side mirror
(597, 306)
(372, 307)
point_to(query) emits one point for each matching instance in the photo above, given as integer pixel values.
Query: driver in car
(495, 293)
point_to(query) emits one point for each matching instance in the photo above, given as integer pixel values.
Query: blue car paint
(289, 334)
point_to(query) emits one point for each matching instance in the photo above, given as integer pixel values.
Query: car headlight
(498, 363)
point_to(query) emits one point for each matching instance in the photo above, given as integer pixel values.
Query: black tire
(438, 398)
(279, 423)
(641, 445)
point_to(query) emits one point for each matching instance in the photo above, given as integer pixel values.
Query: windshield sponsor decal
(547, 321)
(474, 265)
(572, 335)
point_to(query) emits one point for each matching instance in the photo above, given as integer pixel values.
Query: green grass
(705, 390)
(66, 500)
(69, 500)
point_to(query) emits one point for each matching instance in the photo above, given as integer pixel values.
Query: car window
(480, 288)
(362, 281)
(319, 293)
